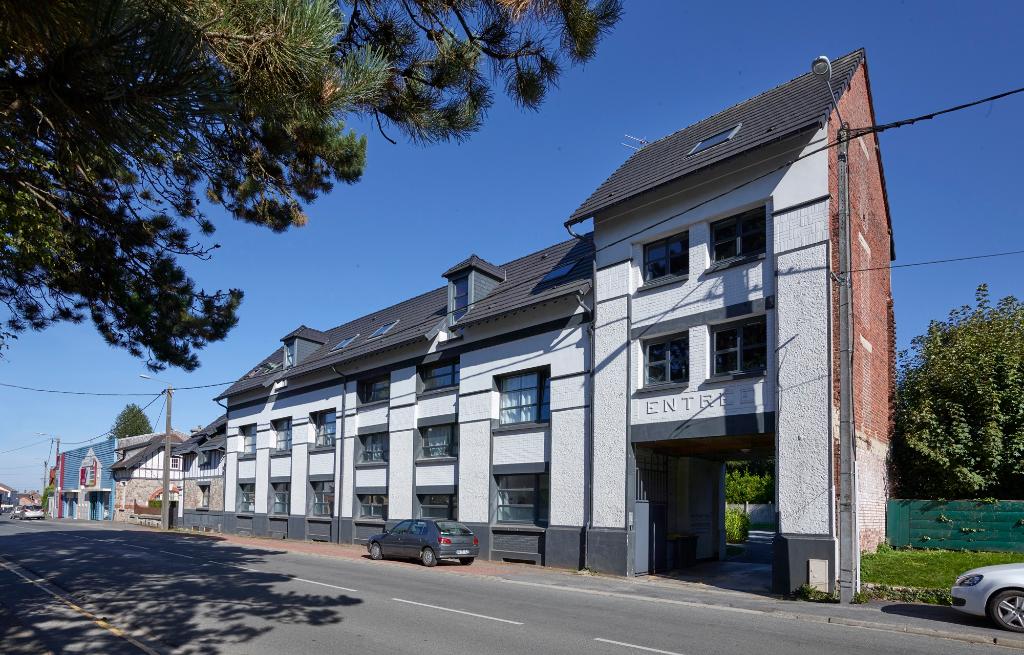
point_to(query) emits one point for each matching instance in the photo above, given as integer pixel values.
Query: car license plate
(462, 552)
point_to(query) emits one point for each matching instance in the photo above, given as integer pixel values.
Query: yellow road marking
(103, 623)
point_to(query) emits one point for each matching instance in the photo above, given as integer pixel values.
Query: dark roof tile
(783, 111)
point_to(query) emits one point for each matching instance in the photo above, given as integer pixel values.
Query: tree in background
(750, 482)
(117, 117)
(960, 405)
(132, 421)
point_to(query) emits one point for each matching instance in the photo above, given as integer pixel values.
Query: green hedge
(737, 526)
(742, 486)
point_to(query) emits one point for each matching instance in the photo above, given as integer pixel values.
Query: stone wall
(132, 491)
(192, 497)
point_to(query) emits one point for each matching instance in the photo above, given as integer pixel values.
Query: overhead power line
(74, 393)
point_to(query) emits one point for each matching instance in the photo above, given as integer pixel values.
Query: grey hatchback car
(426, 540)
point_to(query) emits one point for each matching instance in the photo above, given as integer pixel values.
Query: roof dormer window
(460, 298)
(289, 353)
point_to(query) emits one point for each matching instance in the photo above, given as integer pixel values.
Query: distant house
(138, 474)
(7, 495)
(30, 498)
(202, 457)
(86, 487)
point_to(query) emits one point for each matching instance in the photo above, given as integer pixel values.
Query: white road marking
(448, 609)
(324, 584)
(636, 647)
(169, 552)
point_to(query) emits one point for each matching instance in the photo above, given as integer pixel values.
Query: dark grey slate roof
(797, 105)
(140, 453)
(476, 262)
(307, 333)
(207, 438)
(420, 317)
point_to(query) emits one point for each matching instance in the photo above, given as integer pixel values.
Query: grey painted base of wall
(482, 531)
(563, 547)
(791, 553)
(345, 531)
(203, 520)
(608, 550)
(297, 527)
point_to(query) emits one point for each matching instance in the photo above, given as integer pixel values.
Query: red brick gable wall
(874, 344)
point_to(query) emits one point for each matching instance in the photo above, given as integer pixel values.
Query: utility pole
(165, 503)
(849, 548)
(58, 481)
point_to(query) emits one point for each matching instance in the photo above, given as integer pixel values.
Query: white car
(993, 591)
(29, 512)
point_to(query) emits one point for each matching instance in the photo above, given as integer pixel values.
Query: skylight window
(715, 139)
(559, 272)
(344, 342)
(382, 330)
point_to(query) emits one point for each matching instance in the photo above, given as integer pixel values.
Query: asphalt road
(105, 590)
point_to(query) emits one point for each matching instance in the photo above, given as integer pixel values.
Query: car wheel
(1006, 609)
(428, 557)
(466, 561)
(375, 551)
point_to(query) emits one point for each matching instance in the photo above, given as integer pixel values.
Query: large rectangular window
(280, 495)
(439, 441)
(283, 434)
(741, 348)
(247, 497)
(373, 507)
(375, 447)
(439, 376)
(323, 498)
(325, 424)
(248, 434)
(460, 297)
(522, 498)
(525, 398)
(439, 506)
(667, 360)
(375, 389)
(740, 235)
(667, 257)
(204, 496)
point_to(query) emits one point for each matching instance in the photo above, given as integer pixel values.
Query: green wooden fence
(956, 524)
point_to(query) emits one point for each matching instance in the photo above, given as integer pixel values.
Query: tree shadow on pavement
(947, 616)
(194, 602)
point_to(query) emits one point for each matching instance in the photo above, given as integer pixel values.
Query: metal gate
(650, 512)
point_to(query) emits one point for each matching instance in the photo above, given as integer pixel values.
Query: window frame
(291, 351)
(666, 341)
(726, 135)
(383, 505)
(738, 222)
(428, 379)
(280, 497)
(451, 448)
(320, 495)
(246, 437)
(542, 404)
(666, 242)
(321, 431)
(458, 312)
(381, 330)
(541, 490)
(365, 439)
(739, 347)
(365, 389)
(278, 432)
(241, 504)
(204, 495)
(451, 506)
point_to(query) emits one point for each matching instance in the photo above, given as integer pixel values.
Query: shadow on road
(192, 605)
(941, 614)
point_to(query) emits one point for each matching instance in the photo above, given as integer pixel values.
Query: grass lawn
(926, 568)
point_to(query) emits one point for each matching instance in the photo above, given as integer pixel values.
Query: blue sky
(953, 183)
